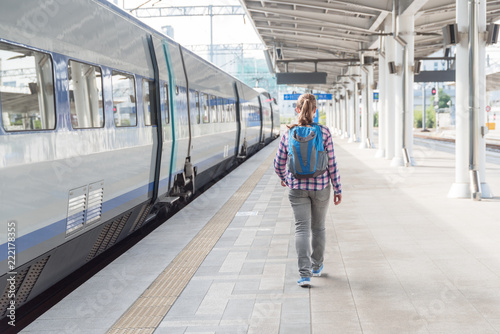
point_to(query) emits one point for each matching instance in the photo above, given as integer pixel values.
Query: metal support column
(382, 100)
(364, 104)
(404, 101)
(470, 145)
(481, 63)
(345, 114)
(390, 84)
(353, 107)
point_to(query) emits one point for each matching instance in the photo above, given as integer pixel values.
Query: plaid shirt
(314, 183)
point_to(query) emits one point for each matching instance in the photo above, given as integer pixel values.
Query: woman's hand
(337, 198)
(283, 184)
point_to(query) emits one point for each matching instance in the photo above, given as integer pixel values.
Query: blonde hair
(307, 106)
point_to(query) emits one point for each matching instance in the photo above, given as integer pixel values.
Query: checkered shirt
(314, 183)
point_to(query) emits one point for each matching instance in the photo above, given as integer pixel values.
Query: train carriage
(104, 122)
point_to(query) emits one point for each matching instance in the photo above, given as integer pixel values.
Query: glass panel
(164, 103)
(233, 112)
(26, 89)
(148, 102)
(213, 109)
(227, 110)
(85, 95)
(220, 110)
(205, 105)
(124, 108)
(198, 114)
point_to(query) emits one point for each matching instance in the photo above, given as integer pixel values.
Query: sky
(195, 30)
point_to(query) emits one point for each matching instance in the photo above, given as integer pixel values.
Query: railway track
(489, 146)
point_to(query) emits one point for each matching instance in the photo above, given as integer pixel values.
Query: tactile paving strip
(152, 306)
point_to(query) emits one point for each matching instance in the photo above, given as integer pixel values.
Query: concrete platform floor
(401, 258)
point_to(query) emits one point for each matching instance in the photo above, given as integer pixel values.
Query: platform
(401, 258)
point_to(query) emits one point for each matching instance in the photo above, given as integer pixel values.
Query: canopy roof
(339, 29)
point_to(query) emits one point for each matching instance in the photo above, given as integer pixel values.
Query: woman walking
(309, 194)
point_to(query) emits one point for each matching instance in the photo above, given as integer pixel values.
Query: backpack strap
(291, 133)
(319, 137)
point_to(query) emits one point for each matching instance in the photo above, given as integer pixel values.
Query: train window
(206, 109)
(226, 111)
(26, 89)
(197, 99)
(232, 111)
(213, 109)
(193, 106)
(165, 103)
(230, 117)
(148, 101)
(124, 107)
(220, 110)
(85, 95)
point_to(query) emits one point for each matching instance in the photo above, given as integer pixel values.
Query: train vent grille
(76, 210)
(108, 236)
(23, 284)
(141, 218)
(30, 280)
(94, 202)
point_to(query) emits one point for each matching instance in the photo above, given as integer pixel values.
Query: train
(105, 123)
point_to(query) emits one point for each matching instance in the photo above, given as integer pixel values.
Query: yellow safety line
(152, 306)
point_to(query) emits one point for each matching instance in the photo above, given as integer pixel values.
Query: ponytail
(307, 105)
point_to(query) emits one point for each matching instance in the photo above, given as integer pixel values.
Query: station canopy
(340, 29)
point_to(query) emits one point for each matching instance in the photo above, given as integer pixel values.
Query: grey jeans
(309, 209)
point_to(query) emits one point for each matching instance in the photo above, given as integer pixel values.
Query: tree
(443, 99)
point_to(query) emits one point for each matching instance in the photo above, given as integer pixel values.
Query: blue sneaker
(304, 282)
(317, 272)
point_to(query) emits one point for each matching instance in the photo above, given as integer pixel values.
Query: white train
(104, 122)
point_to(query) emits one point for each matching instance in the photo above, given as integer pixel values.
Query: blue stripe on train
(45, 233)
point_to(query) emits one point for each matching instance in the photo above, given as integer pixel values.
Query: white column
(345, 114)
(390, 84)
(334, 115)
(461, 187)
(341, 114)
(327, 112)
(356, 107)
(337, 113)
(364, 96)
(352, 110)
(329, 118)
(369, 100)
(397, 160)
(382, 69)
(485, 189)
(407, 27)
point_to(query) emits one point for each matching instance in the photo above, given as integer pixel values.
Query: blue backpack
(306, 154)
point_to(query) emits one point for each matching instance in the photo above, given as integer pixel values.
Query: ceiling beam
(325, 6)
(316, 41)
(306, 23)
(383, 5)
(343, 20)
(378, 21)
(411, 7)
(347, 37)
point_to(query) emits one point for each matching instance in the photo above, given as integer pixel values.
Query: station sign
(295, 97)
(375, 96)
(291, 97)
(323, 96)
